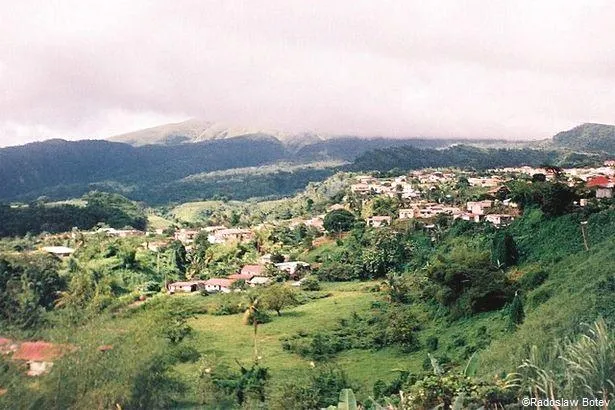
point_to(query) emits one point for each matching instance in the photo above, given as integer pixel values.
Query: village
(424, 198)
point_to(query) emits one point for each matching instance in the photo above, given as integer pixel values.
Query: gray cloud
(522, 69)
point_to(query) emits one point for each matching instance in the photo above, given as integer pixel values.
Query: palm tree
(251, 315)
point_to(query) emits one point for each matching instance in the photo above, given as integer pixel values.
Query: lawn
(226, 339)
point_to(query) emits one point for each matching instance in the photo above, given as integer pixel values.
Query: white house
(186, 287)
(219, 285)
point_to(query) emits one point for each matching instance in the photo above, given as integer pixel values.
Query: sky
(519, 69)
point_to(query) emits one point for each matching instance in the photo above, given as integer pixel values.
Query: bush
(432, 343)
(310, 283)
(532, 279)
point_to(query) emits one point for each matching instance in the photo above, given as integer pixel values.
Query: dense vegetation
(588, 137)
(409, 157)
(36, 217)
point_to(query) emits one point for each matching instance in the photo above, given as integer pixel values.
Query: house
(604, 186)
(186, 236)
(252, 270)
(316, 222)
(604, 192)
(468, 216)
(479, 207)
(233, 234)
(219, 285)
(186, 287)
(361, 189)
(59, 251)
(122, 233)
(294, 269)
(485, 182)
(378, 221)
(39, 356)
(407, 213)
(498, 219)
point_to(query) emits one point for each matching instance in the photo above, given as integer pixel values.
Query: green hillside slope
(588, 137)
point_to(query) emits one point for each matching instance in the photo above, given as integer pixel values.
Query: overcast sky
(515, 69)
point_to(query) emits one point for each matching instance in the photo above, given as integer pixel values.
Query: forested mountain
(588, 137)
(159, 173)
(171, 163)
(61, 169)
(408, 157)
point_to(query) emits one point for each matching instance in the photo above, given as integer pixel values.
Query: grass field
(225, 339)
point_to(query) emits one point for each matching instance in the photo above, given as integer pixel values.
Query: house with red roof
(39, 356)
(253, 270)
(603, 184)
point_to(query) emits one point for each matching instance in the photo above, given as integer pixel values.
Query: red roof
(223, 282)
(39, 351)
(4, 341)
(241, 276)
(600, 180)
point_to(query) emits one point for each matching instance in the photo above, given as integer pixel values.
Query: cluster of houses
(411, 188)
(250, 275)
(215, 234)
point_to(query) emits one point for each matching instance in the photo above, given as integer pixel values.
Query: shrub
(310, 283)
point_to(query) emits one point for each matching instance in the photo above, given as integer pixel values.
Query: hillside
(409, 157)
(62, 169)
(588, 137)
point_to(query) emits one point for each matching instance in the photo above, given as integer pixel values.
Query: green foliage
(553, 199)
(580, 368)
(516, 312)
(111, 209)
(463, 156)
(278, 296)
(28, 287)
(466, 282)
(336, 271)
(392, 326)
(504, 250)
(588, 137)
(318, 390)
(310, 283)
(339, 220)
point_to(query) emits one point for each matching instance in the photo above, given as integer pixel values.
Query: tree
(278, 296)
(504, 250)
(517, 314)
(180, 257)
(28, 286)
(339, 220)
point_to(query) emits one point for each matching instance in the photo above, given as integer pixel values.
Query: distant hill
(64, 169)
(195, 130)
(588, 137)
(301, 145)
(159, 165)
(463, 156)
